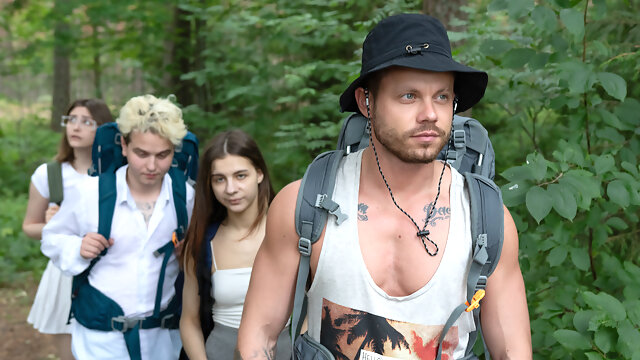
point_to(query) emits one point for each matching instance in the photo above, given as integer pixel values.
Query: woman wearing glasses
(50, 310)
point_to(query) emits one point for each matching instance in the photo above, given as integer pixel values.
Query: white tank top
(349, 313)
(229, 289)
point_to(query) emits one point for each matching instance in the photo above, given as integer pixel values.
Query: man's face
(149, 156)
(412, 113)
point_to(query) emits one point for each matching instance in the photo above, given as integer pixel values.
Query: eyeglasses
(73, 119)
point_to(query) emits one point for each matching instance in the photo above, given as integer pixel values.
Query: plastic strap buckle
(126, 323)
(458, 139)
(482, 282)
(304, 246)
(481, 240)
(166, 318)
(475, 301)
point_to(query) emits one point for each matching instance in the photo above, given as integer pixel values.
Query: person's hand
(51, 210)
(93, 244)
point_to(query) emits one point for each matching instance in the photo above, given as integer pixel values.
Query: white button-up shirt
(129, 272)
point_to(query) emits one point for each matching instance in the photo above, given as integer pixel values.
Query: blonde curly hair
(147, 113)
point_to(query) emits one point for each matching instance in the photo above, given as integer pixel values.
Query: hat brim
(469, 86)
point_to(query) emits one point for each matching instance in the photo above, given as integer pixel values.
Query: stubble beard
(395, 142)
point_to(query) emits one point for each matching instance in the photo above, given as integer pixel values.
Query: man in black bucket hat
(379, 289)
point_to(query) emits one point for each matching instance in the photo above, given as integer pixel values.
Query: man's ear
(361, 99)
(124, 145)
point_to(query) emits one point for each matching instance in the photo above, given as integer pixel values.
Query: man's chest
(400, 253)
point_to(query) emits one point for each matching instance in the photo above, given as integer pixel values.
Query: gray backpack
(470, 152)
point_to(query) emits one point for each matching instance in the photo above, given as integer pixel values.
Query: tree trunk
(61, 69)
(182, 52)
(201, 92)
(444, 11)
(97, 66)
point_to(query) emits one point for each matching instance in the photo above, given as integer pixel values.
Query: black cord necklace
(424, 233)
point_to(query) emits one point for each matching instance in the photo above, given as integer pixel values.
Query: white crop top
(229, 289)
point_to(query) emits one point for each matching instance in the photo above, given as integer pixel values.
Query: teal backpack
(470, 152)
(89, 306)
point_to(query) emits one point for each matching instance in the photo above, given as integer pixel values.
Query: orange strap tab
(174, 239)
(475, 300)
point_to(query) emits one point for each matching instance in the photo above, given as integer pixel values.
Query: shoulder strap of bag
(54, 178)
(487, 236)
(313, 206)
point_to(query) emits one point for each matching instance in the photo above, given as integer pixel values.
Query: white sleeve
(62, 238)
(40, 180)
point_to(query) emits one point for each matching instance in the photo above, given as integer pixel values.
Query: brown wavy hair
(207, 209)
(99, 112)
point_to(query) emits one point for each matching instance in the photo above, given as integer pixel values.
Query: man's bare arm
(270, 297)
(505, 317)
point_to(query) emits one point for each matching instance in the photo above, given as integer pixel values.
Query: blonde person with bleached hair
(130, 274)
(147, 113)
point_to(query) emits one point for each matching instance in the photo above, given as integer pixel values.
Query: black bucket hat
(415, 41)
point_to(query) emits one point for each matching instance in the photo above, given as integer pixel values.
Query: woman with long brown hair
(233, 193)
(50, 311)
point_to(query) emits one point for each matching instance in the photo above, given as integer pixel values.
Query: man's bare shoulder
(281, 214)
(284, 202)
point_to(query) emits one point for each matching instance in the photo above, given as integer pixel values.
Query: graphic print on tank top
(353, 334)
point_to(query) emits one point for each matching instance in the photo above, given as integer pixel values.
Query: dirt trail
(18, 339)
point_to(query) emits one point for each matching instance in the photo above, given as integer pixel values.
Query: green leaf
(572, 340)
(604, 163)
(581, 319)
(630, 168)
(519, 8)
(603, 301)
(611, 119)
(538, 61)
(618, 193)
(613, 84)
(517, 58)
(515, 193)
(605, 338)
(538, 203)
(580, 258)
(584, 184)
(495, 47)
(593, 356)
(564, 201)
(538, 165)
(611, 134)
(557, 255)
(517, 174)
(629, 338)
(574, 21)
(617, 223)
(497, 5)
(544, 18)
(633, 311)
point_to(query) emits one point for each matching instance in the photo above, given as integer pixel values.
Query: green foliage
(24, 144)
(562, 93)
(20, 256)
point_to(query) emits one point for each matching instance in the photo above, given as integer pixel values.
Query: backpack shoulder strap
(487, 236)
(354, 134)
(54, 178)
(179, 188)
(313, 206)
